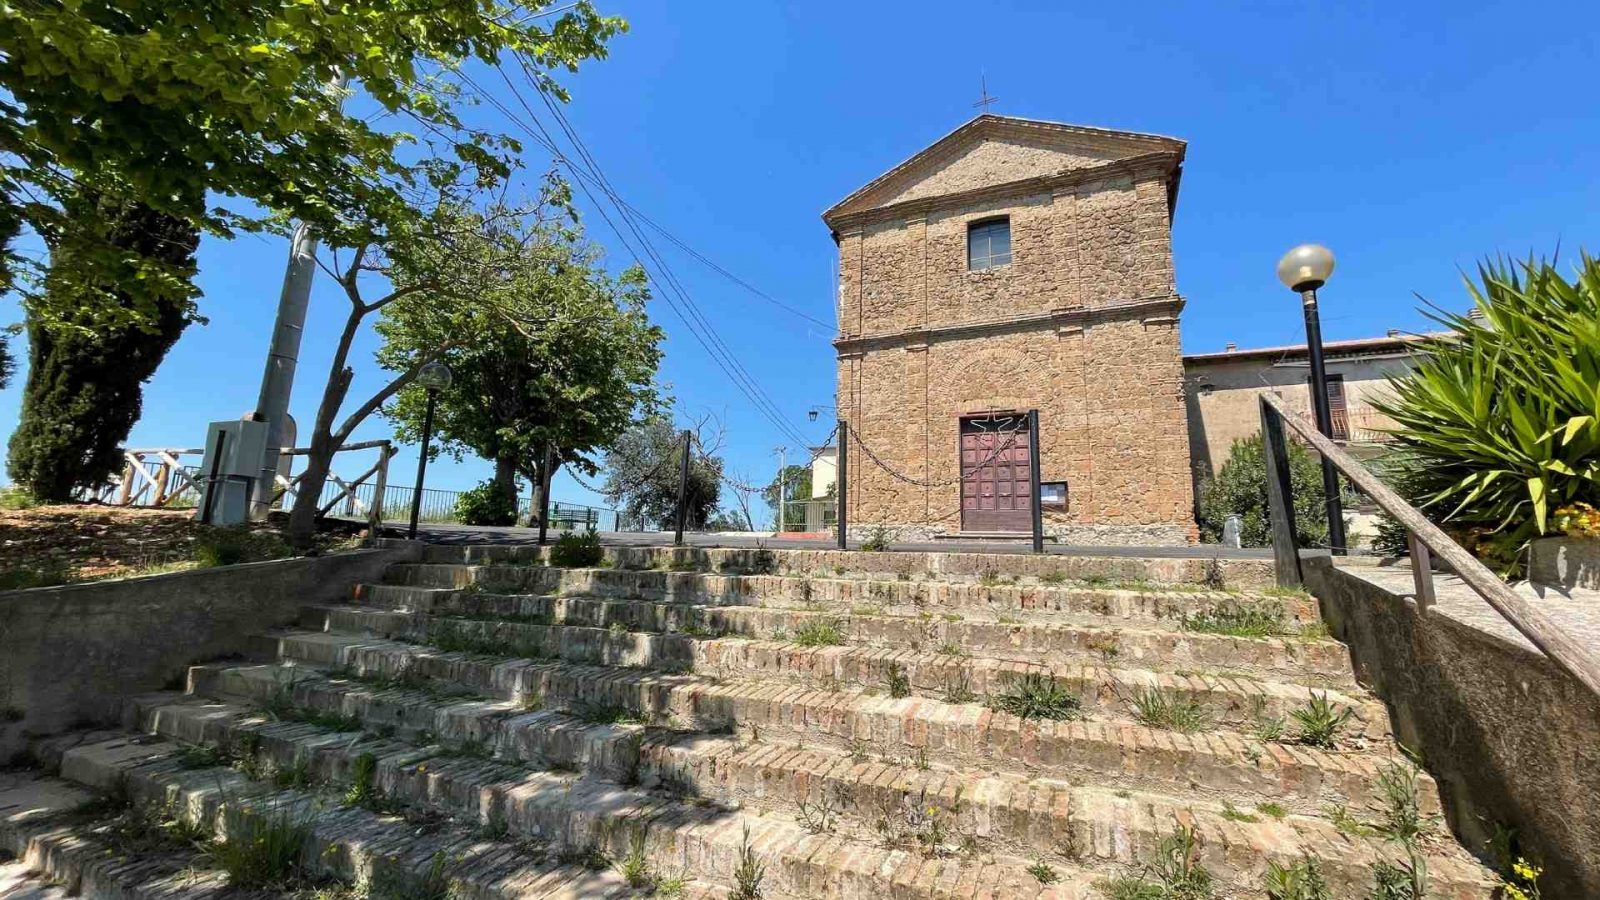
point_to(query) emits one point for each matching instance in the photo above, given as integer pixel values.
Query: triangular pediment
(993, 150)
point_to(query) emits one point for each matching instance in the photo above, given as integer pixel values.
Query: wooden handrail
(1545, 634)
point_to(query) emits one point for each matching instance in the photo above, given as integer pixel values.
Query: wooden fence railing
(1425, 538)
(161, 478)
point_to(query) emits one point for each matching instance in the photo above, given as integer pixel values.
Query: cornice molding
(1158, 164)
(989, 125)
(1162, 310)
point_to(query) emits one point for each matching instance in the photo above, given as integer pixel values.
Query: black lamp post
(434, 377)
(1303, 270)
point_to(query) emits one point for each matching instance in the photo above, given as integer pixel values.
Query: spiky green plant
(1036, 695)
(1301, 880)
(1501, 418)
(1320, 721)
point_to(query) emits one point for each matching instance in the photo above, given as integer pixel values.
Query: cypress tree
(85, 386)
(10, 225)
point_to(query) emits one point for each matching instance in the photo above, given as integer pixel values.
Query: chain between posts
(966, 473)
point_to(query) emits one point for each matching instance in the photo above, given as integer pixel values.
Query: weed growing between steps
(896, 680)
(262, 849)
(1155, 708)
(577, 551)
(1300, 881)
(1320, 721)
(1247, 620)
(749, 873)
(820, 633)
(1174, 874)
(1037, 696)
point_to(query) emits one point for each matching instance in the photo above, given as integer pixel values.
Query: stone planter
(1565, 562)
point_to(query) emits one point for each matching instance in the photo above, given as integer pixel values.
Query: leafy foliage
(1321, 721)
(1036, 695)
(458, 276)
(575, 381)
(1501, 419)
(167, 101)
(85, 388)
(794, 481)
(1301, 880)
(1240, 488)
(577, 551)
(642, 474)
(486, 504)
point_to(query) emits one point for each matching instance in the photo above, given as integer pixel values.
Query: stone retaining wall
(1511, 738)
(71, 655)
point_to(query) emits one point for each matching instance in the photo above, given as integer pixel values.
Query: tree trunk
(308, 493)
(505, 476)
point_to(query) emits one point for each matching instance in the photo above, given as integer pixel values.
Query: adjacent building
(1016, 265)
(1221, 392)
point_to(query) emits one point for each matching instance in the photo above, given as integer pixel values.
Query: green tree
(452, 274)
(85, 387)
(795, 480)
(1499, 423)
(171, 101)
(574, 384)
(642, 475)
(1240, 488)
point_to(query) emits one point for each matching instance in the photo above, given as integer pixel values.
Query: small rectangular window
(988, 244)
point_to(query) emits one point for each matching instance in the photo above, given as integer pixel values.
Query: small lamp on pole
(1303, 270)
(434, 377)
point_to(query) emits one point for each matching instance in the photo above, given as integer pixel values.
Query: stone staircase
(741, 723)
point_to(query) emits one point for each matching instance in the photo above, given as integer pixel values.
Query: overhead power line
(587, 172)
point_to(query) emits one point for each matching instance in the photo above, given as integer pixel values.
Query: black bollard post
(683, 489)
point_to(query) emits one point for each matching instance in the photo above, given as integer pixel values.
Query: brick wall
(1082, 325)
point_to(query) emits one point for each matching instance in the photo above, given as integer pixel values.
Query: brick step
(1028, 818)
(554, 809)
(1221, 765)
(1147, 602)
(937, 565)
(63, 848)
(346, 843)
(1309, 660)
(1228, 700)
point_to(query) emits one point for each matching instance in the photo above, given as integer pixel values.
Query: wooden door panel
(995, 460)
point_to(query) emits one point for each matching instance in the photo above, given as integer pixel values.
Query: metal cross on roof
(985, 101)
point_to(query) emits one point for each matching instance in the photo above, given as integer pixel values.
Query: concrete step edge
(581, 814)
(1087, 826)
(962, 735)
(1237, 700)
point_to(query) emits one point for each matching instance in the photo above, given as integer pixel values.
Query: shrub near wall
(1499, 423)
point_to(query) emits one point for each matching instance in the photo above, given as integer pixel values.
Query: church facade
(1015, 265)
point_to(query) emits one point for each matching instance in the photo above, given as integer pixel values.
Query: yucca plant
(1500, 420)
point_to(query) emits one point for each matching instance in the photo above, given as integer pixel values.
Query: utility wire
(756, 393)
(702, 331)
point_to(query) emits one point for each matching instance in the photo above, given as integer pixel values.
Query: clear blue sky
(1412, 138)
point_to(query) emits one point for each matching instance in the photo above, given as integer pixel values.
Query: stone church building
(1015, 265)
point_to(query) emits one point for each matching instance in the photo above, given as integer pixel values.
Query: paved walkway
(1577, 611)
(485, 534)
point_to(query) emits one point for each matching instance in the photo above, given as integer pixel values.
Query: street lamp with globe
(434, 377)
(1303, 270)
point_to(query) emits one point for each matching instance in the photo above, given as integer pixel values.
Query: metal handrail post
(841, 480)
(1035, 509)
(683, 490)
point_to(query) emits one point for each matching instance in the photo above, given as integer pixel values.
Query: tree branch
(389, 390)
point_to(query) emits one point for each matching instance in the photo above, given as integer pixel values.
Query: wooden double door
(996, 462)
